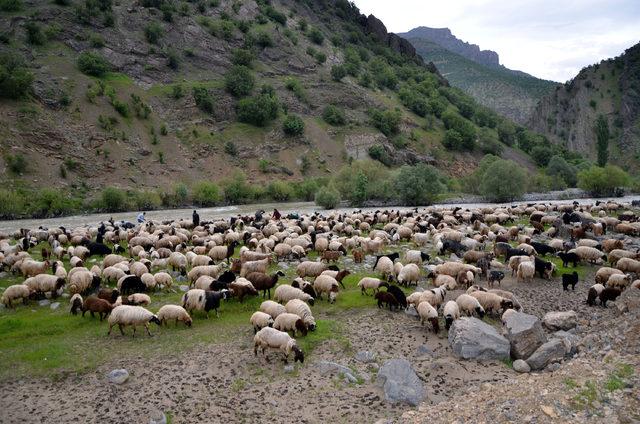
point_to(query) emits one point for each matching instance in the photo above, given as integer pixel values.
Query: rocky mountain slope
(479, 74)
(198, 90)
(610, 89)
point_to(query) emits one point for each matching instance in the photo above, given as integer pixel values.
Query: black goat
(569, 280)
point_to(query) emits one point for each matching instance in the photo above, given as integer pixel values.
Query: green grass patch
(570, 383)
(582, 270)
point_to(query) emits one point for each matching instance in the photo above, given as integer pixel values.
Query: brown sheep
(99, 306)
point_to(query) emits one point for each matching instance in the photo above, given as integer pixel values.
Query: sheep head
(297, 354)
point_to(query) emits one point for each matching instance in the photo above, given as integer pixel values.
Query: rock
(525, 334)
(411, 311)
(548, 410)
(571, 341)
(289, 368)
(560, 320)
(471, 338)
(181, 279)
(551, 351)
(184, 288)
(118, 376)
(326, 366)
(521, 365)
(157, 417)
(55, 305)
(628, 301)
(44, 302)
(365, 356)
(424, 350)
(400, 382)
(283, 265)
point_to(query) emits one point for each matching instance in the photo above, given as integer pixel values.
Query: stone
(283, 265)
(400, 382)
(628, 301)
(411, 311)
(184, 288)
(289, 368)
(520, 365)
(365, 356)
(44, 302)
(471, 338)
(424, 350)
(181, 279)
(525, 334)
(571, 341)
(118, 376)
(551, 351)
(548, 410)
(55, 305)
(560, 320)
(326, 366)
(158, 417)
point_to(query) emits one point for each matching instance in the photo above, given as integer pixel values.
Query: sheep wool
(270, 338)
(259, 320)
(285, 293)
(125, 315)
(300, 308)
(15, 292)
(428, 313)
(326, 284)
(451, 312)
(409, 274)
(273, 309)
(174, 312)
(370, 283)
(290, 322)
(470, 305)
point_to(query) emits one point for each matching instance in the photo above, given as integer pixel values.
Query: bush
(293, 125)
(17, 164)
(377, 152)
(35, 35)
(388, 121)
(466, 130)
(275, 15)
(258, 110)
(418, 185)
(10, 5)
(503, 181)
(338, 72)
(173, 59)
(603, 181)
(153, 32)
(204, 99)
(113, 199)
(146, 200)
(507, 133)
(239, 81)
(230, 148)
(12, 204)
(93, 64)
(327, 197)
(263, 39)
(558, 167)
(205, 193)
(48, 202)
(541, 155)
(243, 57)
(453, 140)
(293, 84)
(315, 35)
(334, 115)
(488, 142)
(280, 191)
(96, 40)
(237, 190)
(15, 79)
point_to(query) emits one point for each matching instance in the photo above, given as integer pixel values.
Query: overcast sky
(551, 39)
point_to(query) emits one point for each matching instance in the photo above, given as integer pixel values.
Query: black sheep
(308, 288)
(100, 249)
(569, 280)
(609, 293)
(132, 284)
(223, 281)
(452, 246)
(542, 248)
(543, 267)
(213, 300)
(386, 298)
(495, 276)
(592, 295)
(515, 252)
(398, 294)
(569, 258)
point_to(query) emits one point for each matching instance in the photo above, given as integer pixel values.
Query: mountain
(610, 89)
(479, 74)
(144, 94)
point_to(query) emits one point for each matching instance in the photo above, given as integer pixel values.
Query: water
(227, 211)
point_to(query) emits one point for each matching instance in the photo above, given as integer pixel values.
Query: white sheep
(428, 313)
(492, 302)
(414, 257)
(272, 308)
(254, 266)
(112, 274)
(137, 269)
(112, 259)
(139, 299)
(371, 283)
(628, 265)
(410, 273)
(125, 315)
(178, 261)
(174, 312)
(285, 293)
(414, 298)
(445, 280)
(300, 308)
(197, 271)
(46, 283)
(31, 268)
(259, 320)
(203, 282)
(508, 295)
(469, 305)
(451, 312)
(290, 322)
(326, 284)
(453, 268)
(148, 280)
(590, 254)
(270, 338)
(526, 271)
(385, 267)
(620, 281)
(15, 292)
(310, 269)
(163, 279)
(603, 274)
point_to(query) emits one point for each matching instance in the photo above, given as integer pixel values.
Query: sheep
(338, 275)
(453, 268)
(198, 271)
(410, 273)
(305, 286)
(386, 298)
(587, 253)
(569, 257)
(15, 292)
(163, 279)
(515, 261)
(174, 312)
(428, 313)
(75, 262)
(445, 280)
(526, 271)
(285, 293)
(76, 303)
(31, 268)
(465, 278)
(495, 276)
(609, 245)
(125, 315)
(603, 274)
(607, 294)
(635, 284)
(274, 339)
(628, 265)
(111, 260)
(46, 283)
(59, 270)
(130, 284)
(264, 282)
(415, 298)
(247, 255)
(138, 299)
(508, 295)
(203, 282)
(385, 267)
(544, 268)
(620, 281)
(259, 320)
(473, 256)
(371, 283)
(616, 254)
(358, 256)
(254, 266)
(470, 305)
(492, 302)
(112, 274)
(110, 295)
(331, 255)
(96, 305)
(272, 308)
(415, 257)
(201, 300)
(451, 312)
(148, 280)
(398, 294)
(326, 284)
(300, 308)
(569, 280)
(290, 322)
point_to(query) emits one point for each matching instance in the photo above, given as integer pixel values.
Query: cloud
(551, 39)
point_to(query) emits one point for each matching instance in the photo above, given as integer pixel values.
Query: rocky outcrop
(400, 382)
(471, 338)
(374, 26)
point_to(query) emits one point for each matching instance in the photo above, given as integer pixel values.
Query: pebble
(118, 376)
(548, 410)
(289, 368)
(55, 305)
(521, 366)
(184, 288)
(44, 302)
(365, 356)
(424, 350)
(158, 417)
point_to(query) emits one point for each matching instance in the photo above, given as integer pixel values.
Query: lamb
(587, 253)
(174, 312)
(96, 305)
(508, 295)
(204, 282)
(110, 295)
(415, 298)
(628, 265)
(607, 294)
(300, 308)
(410, 273)
(386, 298)
(273, 339)
(465, 278)
(371, 283)
(272, 308)
(358, 256)
(285, 293)
(46, 283)
(111, 260)
(138, 299)
(620, 281)
(567, 258)
(254, 266)
(385, 267)
(470, 305)
(125, 315)
(264, 282)
(603, 274)
(594, 293)
(451, 313)
(428, 313)
(201, 300)
(495, 276)
(415, 257)
(15, 292)
(569, 280)
(76, 303)
(491, 302)
(331, 255)
(310, 269)
(290, 322)
(526, 271)
(163, 279)
(260, 320)
(326, 284)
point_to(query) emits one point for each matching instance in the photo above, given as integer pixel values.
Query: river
(226, 211)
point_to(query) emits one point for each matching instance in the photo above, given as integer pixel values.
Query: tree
(93, 64)
(507, 132)
(601, 181)
(15, 79)
(206, 193)
(503, 181)
(258, 110)
(327, 197)
(541, 155)
(293, 125)
(360, 189)
(333, 115)
(239, 81)
(602, 136)
(453, 140)
(558, 167)
(113, 199)
(338, 72)
(388, 121)
(418, 185)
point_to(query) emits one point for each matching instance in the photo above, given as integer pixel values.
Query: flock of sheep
(232, 258)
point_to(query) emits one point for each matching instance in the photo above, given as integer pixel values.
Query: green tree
(541, 155)
(418, 185)
(239, 81)
(338, 72)
(334, 115)
(602, 136)
(327, 197)
(93, 64)
(507, 132)
(113, 199)
(559, 168)
(15, 79)
(503, 181)
(153, 32)
(293, 125)
(206, 193)
(258, 110)
(360, 189)
(387, 121)
(601, 181)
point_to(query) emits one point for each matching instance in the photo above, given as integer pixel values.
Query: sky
(550, 39)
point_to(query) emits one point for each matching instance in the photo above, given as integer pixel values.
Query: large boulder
(400, 382)
(552, 351)
(557, 320)
(628, 301)
(525, 334)
(571, 341)
(471, 338)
